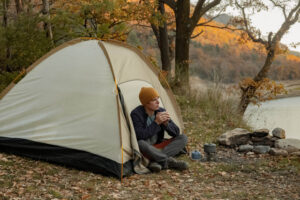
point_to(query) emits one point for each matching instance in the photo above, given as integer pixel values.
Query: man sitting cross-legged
(150, 122)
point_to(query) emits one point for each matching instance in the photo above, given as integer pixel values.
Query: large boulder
(288, 144)
(235, 137)
(279, 133)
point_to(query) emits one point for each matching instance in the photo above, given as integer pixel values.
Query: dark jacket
(139, 119)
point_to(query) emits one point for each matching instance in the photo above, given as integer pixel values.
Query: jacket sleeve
(172, 129)
(142, 132)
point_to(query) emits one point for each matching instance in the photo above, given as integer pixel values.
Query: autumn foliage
(266, 89)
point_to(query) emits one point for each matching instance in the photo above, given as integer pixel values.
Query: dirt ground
(232, 176)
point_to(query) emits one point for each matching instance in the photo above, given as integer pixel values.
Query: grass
(55, 194)
(210, 113)
(291, 164)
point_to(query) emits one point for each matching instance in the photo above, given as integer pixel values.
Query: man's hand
(162, 118)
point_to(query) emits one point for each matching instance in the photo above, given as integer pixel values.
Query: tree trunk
(249, 92)
(47, 25)
(266, 68)
(19, 6)
(182, 44)
(161, 34)
(182, 60)
(164, 43)
(5, 24)
(5, 19)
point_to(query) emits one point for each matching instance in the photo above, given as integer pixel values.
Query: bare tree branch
(200, 11)
(223, 27)
(283, 8)
(170, 3)
(296, 10)
(156, 33)
(192, 37)
(198, 8)
(292, 18)
(213, 18)
(209, 6)
(247, 28)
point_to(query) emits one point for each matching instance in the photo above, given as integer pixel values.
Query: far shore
(291, 86)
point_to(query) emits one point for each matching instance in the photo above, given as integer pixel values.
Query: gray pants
(161, 155)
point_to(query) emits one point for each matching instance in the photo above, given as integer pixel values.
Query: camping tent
(72, 107)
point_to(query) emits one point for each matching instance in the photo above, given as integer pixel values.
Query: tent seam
(117, 99)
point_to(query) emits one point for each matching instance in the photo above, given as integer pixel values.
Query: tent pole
(117, 98)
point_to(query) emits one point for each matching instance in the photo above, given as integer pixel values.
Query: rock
(266, 141)
(291, 145)
(260, 149)
(245, 148)
(274, 138)
(291, 149)
(235, 137)
(278, 152)
(260, 133)
(297, 153)
(279, 133)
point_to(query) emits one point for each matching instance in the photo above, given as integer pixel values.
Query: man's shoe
(177, 164)
(154, 167)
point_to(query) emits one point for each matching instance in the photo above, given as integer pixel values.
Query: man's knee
(183, 138)
(143, 145)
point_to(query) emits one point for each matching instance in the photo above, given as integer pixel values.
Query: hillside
(220, 53)
(295, 53)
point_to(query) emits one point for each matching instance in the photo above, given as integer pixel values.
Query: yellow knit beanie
(147, 94)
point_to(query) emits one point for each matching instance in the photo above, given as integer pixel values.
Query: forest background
(30, 28)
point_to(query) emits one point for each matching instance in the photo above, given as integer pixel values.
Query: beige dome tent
(72, 107)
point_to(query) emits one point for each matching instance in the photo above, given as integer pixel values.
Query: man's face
(153, 104)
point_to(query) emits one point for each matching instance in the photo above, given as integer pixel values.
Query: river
(283, 113)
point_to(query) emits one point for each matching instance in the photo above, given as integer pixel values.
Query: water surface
(283, 113)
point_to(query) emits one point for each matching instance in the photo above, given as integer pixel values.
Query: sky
(271, 21)
(267, 21)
